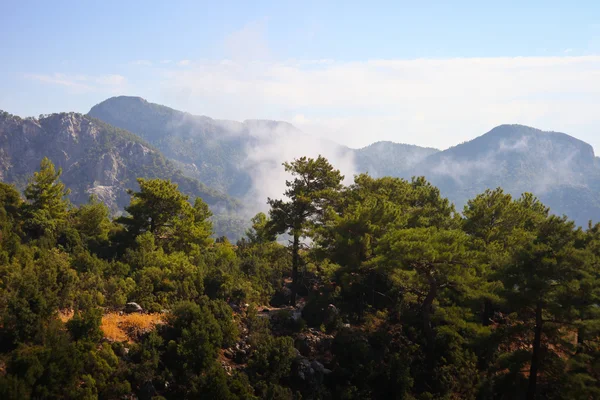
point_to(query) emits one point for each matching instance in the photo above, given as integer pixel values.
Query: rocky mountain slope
(212, 151)
(232, 156)
(244, 157)
(389, 158)
(560, 169)
(96, 158)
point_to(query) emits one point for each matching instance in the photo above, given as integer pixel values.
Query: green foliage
(403, 297)
(159, 208)
(86, 325)
(315, 187)
(92, 221)
(260, 231)
(197, 335)
(272, 359)
(10, 220)
(47, 207)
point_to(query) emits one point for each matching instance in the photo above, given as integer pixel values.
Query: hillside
(560, 169)
(96, 158)
(388, 158)
(244, 158)
(211, 150)
(237, 157)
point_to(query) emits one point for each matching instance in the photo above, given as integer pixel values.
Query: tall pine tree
(47, 202)
(315, 185)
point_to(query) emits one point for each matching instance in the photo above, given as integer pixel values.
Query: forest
(379, 289)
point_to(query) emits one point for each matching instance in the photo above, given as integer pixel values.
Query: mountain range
(235, 166)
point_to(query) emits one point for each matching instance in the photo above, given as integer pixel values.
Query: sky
(433, 74)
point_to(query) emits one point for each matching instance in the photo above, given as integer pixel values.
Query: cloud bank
(429, 102)
(110, 83)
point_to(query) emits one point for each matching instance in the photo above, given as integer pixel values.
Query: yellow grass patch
(128, 327)
(122, 327)
(65, 315)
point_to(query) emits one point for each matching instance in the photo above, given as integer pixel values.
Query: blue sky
(436, 73)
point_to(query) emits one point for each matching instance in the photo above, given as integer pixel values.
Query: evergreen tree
(10, 218)
(316, 183)
(543, 285)
(260, 231)
(426, 262)
(161, 209)
(47, 205)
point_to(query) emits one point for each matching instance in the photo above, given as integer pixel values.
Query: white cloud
(112, 83)
(184, 63)
(72, 82)
(432, 102)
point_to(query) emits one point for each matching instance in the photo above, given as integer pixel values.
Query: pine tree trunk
(535, 357)
(295, 264)
(427, 309)
(488, 312)
(580, 339)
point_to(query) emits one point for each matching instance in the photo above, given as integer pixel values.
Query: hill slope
(389, 158)
(237, 157)
(211, 150)
(96, 158)
(561, 170)
(243, 158)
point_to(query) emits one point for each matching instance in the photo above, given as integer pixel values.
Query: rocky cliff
(96, 158)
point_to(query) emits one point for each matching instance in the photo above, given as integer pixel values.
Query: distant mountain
(389, 158)
(238, 156)
(560, 169)
(242, 158)
(96, 158)
(210, 150)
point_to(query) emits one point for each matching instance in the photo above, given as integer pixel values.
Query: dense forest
(376, 290)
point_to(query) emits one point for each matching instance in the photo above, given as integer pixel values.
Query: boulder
(132, 307)
(308, 374)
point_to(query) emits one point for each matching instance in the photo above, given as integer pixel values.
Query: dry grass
(120, 327)
(65, 315)
(128, 327)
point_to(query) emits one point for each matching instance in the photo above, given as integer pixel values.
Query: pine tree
(259, 232)
(47, 204)
(316, 183)
(161, 209)
(543, 285)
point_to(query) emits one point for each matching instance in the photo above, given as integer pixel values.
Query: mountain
(243, 158)
(210, 150)
(389, 158)
(560, 169)
(96, 158)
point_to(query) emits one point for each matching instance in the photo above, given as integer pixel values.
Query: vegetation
(384, 291)
(98, 158)
(558, 168)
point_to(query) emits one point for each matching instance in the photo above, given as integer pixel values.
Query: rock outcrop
(96, 158)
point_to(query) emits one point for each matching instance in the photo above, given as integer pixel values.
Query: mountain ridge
(559, 168)
(96, 159)
(494, 131)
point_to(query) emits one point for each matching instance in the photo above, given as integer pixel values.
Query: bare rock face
(133, 307)
(107, 170)
(105, 194)
(96, 158)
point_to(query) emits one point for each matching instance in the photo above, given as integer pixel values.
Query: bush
(272, 359)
